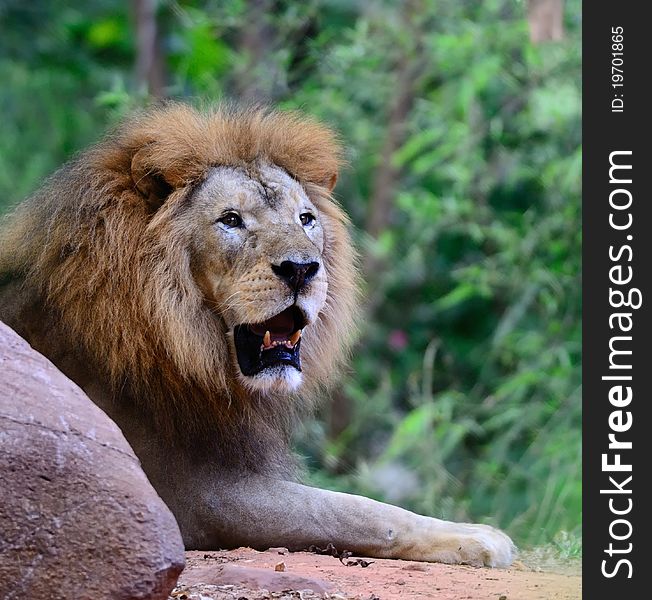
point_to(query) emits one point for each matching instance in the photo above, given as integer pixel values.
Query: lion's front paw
(487, 546)
(477, 545)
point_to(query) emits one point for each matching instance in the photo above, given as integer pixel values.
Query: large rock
(78, 517)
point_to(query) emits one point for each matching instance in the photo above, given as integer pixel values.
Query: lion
(193, 274)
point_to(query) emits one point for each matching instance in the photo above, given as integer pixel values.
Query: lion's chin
(281, 379)
(270, 351)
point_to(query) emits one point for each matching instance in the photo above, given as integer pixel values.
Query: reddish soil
(245, 574)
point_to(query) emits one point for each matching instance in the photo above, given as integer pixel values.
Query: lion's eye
(231, 220)
(307, 219)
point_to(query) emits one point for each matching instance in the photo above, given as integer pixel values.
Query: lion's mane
(108, 270)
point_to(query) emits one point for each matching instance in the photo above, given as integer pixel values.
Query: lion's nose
(296, 275)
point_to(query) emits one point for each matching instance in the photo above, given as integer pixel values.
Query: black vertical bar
(616, 127)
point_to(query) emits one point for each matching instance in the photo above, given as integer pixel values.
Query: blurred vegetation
(463, 138)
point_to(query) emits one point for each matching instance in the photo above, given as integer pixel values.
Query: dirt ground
(245, 574)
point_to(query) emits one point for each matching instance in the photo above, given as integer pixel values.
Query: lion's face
(258, 245)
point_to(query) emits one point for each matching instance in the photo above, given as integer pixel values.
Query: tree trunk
(149, 62)
(260, 76)
(546, 20)
(385, 181)
(387, 175)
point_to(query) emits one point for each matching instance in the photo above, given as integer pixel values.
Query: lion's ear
(149, 182)
(330, 181)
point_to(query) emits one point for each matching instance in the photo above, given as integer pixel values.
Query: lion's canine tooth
(294, 338)
(267, 339)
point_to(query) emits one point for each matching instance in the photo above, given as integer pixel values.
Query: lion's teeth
(288, 343)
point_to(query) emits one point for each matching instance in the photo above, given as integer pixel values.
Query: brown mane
(103, 261)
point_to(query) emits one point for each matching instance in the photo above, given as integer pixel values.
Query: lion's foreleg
(263, 512)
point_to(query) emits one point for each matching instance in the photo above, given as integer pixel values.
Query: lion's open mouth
(272, 343)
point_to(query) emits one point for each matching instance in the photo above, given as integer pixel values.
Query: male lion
(194, 276)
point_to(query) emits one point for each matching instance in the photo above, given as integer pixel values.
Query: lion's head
(197, 256)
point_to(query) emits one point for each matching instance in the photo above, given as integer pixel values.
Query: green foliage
(481, 275)
(463, 400)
